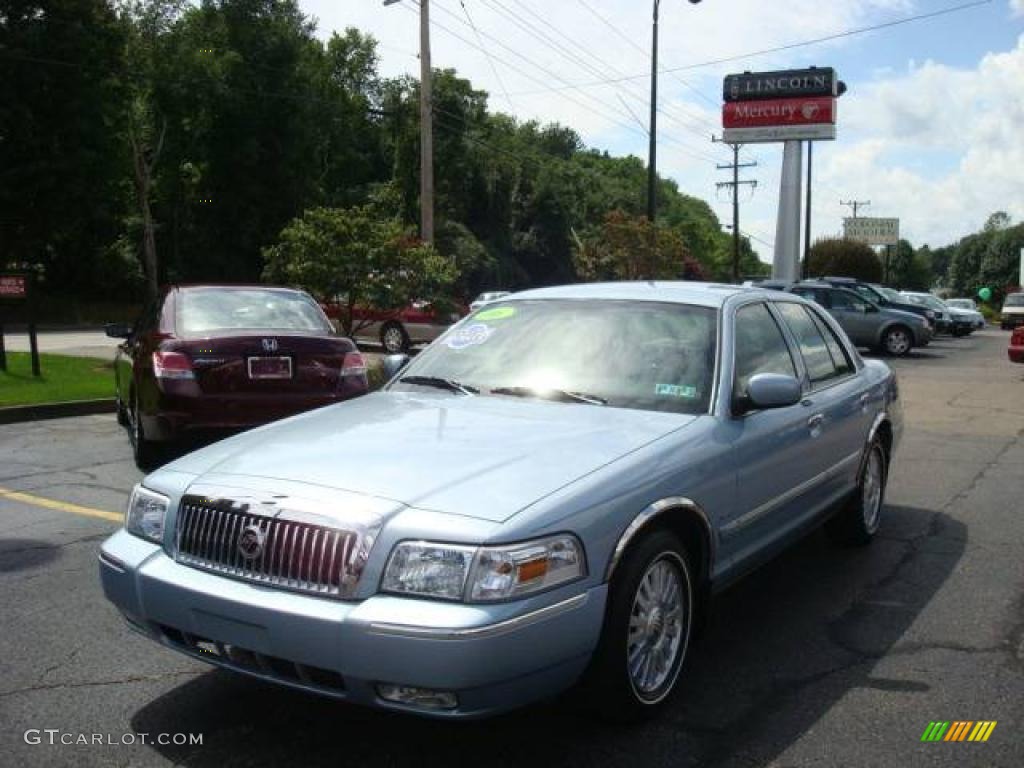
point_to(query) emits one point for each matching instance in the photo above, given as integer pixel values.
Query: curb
(17, 414)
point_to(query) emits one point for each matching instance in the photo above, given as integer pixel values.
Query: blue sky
(929, 130)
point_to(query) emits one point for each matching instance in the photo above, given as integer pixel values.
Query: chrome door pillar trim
(653, 511)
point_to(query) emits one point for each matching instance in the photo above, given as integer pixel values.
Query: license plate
(270, 367)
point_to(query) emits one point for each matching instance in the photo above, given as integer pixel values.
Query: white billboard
(872, 231)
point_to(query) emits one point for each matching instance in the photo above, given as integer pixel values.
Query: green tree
(629, 247)
(844, 258)
(60, 162)
(355, 257)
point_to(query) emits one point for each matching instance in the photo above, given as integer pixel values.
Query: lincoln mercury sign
(872, 231)
(816, 81)
(796, 105)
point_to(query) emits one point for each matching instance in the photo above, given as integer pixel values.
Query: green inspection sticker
(498, 313)
(674, 390)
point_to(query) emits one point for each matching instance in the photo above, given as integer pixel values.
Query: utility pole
(426, 126)
(735, 185)
(856, 205)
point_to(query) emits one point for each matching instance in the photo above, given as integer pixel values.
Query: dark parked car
(222, 358)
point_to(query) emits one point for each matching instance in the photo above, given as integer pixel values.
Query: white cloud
(939, 147)
(1017, 6)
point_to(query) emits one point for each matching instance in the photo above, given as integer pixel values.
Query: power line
(855, 205)
(791, 46)
(735, 186)
(488, 55)
(538, 33)
(548, 73)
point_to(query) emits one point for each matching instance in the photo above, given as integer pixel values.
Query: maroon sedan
(215, 359)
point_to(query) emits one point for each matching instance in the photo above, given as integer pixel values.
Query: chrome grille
(296, 555)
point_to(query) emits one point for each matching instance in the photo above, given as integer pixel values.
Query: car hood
(481, 457)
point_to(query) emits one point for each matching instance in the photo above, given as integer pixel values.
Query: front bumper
(495, 657)
(1015, 353)
(1011, 321)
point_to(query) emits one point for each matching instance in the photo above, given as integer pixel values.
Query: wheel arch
(684, 517)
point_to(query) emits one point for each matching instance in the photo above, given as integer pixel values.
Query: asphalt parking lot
(826, 657)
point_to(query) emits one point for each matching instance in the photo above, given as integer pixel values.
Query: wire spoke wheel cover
(659, 627)
(897, 342)
(871, 489)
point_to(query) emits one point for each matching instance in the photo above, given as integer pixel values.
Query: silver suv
(891, 331)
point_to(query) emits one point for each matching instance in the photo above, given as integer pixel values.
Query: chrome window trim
(753, 515)
(485, 631)
(651, 512)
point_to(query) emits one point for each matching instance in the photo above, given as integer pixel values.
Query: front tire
(897, 341)
(647, 630)
(857, 523)
(394, 339)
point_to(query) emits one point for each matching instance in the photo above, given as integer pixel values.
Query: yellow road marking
(60, 506)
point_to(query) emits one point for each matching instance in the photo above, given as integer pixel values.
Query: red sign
(13, 287)
(815, 110)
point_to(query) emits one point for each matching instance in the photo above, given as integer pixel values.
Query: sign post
(17, 286)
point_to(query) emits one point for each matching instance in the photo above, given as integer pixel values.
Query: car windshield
(1014, 300)
(208, 310)
(644, 355)
(889, 293)
(960, 303)
(924, 300)
(866, 291)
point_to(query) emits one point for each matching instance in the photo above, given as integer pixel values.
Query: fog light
(417, 697)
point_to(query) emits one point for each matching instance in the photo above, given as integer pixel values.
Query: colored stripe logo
(959, 730)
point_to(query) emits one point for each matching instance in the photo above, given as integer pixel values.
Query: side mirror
(118, 330)
(393, 364)
(773, 390)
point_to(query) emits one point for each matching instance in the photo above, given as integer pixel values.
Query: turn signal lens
(501, 573)
(172, 365)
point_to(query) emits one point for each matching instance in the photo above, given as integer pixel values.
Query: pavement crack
(132, 679)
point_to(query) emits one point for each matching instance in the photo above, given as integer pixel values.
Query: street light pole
(426, 126)
(652, 161)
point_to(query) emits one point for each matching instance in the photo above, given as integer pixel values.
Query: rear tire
(897, 341)
(647, 630)
(145, 452)
(394, 339)
(858, 521)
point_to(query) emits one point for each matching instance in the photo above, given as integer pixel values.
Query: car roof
(682, 292)
(230, 287)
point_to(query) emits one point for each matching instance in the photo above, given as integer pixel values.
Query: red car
(399, 329)
(1016, 348)
(207, 358)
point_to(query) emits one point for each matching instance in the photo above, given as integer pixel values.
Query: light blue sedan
(547, 496)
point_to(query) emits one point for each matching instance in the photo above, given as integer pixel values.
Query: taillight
(353, 365)
(172, 365)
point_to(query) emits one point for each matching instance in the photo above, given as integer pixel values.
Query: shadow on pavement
(780, 649)
(22, 554)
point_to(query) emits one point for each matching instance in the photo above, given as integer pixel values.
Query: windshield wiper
(440, 383)
(547, 393)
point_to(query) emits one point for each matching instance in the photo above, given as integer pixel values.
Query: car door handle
(864, 399)
(816, 421)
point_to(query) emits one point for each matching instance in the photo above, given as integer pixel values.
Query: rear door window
(815, 352)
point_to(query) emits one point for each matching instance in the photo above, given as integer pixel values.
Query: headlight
(146, 513)
(484, 574)
(929, 314)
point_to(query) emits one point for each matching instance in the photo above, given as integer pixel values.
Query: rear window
(208, 310)
(1014, 300)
